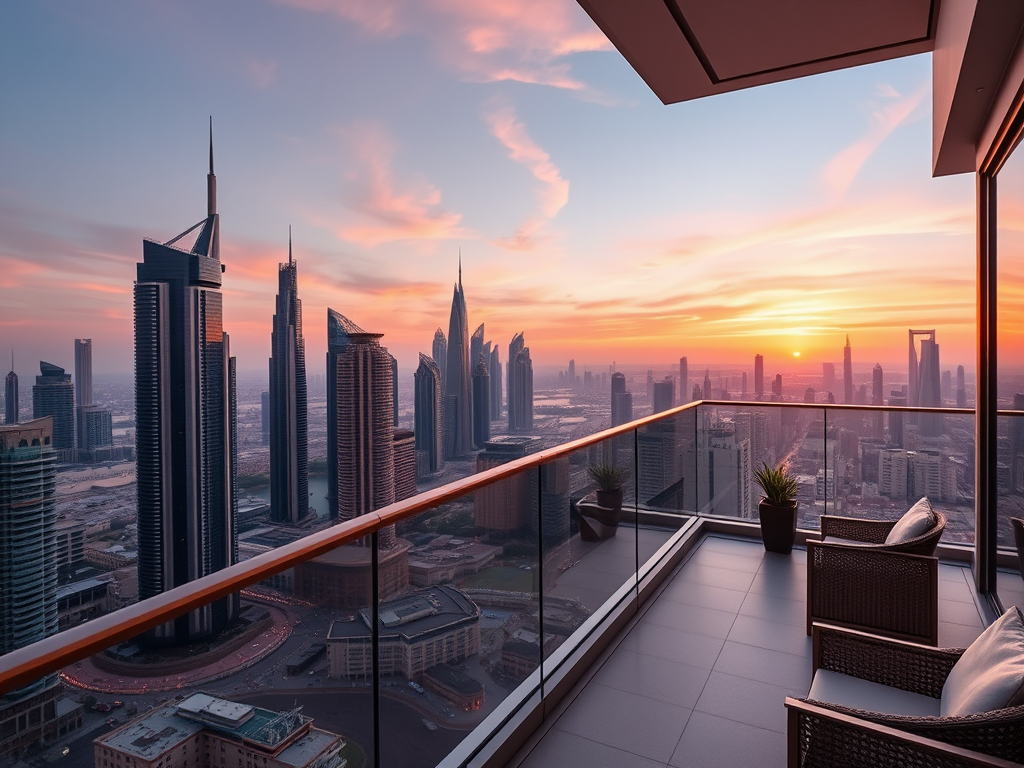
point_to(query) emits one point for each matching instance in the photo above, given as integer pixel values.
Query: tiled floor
(699, 678)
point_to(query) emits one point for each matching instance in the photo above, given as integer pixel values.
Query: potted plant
(609, 480)
(778, 507)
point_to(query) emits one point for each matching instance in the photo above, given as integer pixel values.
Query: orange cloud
(484, 40)
(554, 193)
(388, 214)
(839, 173)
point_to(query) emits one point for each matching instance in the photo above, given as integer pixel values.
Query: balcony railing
(501, 584)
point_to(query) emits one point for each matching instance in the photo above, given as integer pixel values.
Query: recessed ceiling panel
(738, 38)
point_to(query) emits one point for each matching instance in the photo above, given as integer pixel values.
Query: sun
(796, 354)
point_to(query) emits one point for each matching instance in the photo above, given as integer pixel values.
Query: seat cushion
(837, 688)
(847, 542)
(917, 521)
(990, 674)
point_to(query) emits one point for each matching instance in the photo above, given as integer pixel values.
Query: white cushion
(847, 542)
(917, 521)
(837, 688)
(990, 674)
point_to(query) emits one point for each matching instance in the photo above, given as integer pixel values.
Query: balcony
(495, 633)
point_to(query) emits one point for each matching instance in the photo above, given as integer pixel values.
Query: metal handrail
(27, 664)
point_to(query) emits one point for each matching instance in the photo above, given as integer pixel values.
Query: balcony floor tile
(699, 677)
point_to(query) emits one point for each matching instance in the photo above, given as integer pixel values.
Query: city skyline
(851, 211)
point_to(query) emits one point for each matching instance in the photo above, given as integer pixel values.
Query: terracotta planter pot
(610, 499)
(778, 526)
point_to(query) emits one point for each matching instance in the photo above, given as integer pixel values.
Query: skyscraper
(11, 395)
(570, 377)
(439, 352)
(828, 377)
(930, 388)
(83, 372)
(54, 395)
(427, 415)
(520, 385)
(622, 401)
(289, 468)
(186, 440)
(877, 393)
(32, 714)
(847, 372)
(458, 393)
(476, 348)
(663, 391)
(481, 403)
(706, 390)
(360, 430)
(961, 387)
(758, 377)
(684, 381)
(494, 369)
(95, 430)
(28, 525)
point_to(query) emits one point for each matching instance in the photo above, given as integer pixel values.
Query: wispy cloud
(839, 173)
(386, 213)
(554, 192)
(262, 73)
(484, 40)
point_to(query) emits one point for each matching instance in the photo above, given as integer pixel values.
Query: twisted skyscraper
(185, 415)
(289, 471)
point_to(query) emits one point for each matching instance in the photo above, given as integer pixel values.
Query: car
(118, 704)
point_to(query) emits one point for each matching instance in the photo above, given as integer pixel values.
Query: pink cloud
(554, 192)
(389, 214)
(484, 40)
(839, 173)
(262, 72)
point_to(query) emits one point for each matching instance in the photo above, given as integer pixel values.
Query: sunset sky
(392, 134)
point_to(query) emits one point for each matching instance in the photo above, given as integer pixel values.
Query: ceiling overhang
(688, 49)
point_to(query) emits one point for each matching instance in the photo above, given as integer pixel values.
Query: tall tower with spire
(458, 392)
(289, 468)
(11, 395)
(186, 442)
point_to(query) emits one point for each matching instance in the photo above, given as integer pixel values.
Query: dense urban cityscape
(140, 486)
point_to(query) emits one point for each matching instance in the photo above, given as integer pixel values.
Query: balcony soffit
(686, 49)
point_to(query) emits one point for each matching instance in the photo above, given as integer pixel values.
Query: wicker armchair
(856, 580)
(824, 734)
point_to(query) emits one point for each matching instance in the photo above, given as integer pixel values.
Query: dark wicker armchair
(856, 580)
(824, 734)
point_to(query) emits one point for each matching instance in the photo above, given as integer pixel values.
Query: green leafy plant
(780, 487)
(607, 476)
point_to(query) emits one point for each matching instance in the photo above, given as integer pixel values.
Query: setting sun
(796, 354)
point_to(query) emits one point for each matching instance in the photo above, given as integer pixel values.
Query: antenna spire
(290, 244)
(211, 180)
(211, 145)
(460, 267)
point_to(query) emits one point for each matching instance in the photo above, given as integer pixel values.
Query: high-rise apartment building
(961, 387)
(11, 395)
(427, 415)
(31, 714)
(520, 385)
(758, 377)
(439, 352)
(570, 376)
(360, 429)
(289, 467)
(83, 372)
(494, 370)
(684, 381)
(510, 504)
(186, 440)
(405, 464)
(95, 429)
(481, 402)
(877, 393)
(847, 372)
(458, 392)
(54, 395)
(723, 477)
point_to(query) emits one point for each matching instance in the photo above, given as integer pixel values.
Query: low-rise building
(205, 731)
(417, 631)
